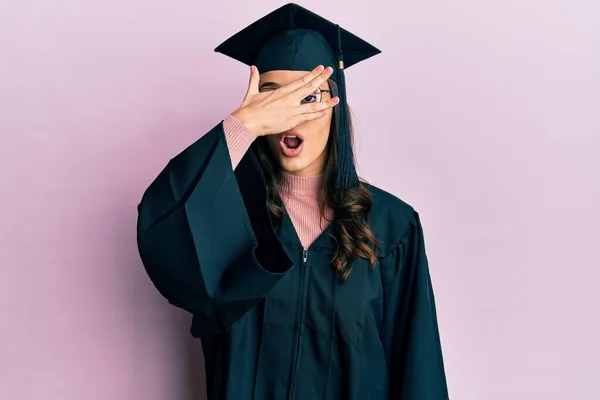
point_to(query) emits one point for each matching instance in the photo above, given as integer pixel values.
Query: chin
(293, 165)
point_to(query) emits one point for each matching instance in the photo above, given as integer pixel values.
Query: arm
(205, 237)
(410, 331)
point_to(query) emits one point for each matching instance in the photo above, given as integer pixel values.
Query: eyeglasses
(316, 97)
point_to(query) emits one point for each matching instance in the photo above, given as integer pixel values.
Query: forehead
(284, 77)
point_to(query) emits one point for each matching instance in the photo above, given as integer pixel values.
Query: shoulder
(390, 218)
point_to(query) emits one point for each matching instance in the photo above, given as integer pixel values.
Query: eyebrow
(270, 85)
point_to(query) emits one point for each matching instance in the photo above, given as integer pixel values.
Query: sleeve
(205, 237)
(410, 332)
(238, 139)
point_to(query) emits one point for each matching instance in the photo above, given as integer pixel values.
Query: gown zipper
(298, 331)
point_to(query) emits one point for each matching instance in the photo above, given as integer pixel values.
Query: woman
(303, 282)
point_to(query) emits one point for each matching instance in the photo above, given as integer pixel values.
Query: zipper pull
(305, 256)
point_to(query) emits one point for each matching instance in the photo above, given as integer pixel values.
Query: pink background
(485, 115)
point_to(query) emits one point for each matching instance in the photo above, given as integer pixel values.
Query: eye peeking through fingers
(312, 98)
(315, 97)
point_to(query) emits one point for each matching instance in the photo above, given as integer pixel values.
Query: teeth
(293, 137)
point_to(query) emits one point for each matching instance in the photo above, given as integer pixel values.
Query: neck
(301, 185)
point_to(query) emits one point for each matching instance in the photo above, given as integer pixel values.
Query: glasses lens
(313, 98)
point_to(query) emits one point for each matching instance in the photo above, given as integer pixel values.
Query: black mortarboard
(294, 38)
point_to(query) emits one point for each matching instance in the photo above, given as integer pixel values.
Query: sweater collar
(301, 185)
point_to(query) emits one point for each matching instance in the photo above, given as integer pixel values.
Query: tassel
(346, 174)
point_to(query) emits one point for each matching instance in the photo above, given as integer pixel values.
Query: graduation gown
(274, 320)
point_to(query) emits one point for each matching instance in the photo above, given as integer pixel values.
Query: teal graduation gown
(274, 320)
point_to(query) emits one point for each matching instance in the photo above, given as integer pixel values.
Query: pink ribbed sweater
(299, 193)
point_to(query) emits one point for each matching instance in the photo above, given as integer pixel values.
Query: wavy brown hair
(350, 207)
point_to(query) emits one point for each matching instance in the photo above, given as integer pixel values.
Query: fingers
(317, 107)
(312, 111)
(302, 118)
(254, 81)
(298, 83)
(312, 85)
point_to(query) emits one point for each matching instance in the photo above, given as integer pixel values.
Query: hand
(280, 110)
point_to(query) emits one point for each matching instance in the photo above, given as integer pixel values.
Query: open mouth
(292, 142)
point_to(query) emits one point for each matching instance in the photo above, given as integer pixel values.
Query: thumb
(254, 79)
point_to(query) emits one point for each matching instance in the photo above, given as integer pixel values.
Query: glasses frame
(321, 91)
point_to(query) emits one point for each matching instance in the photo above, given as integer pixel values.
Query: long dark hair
(351, 207)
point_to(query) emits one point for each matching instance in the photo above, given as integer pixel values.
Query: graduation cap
(294, 38)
